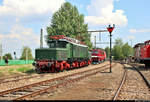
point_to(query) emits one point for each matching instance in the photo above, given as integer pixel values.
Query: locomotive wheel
(62, 70)
(38, 70)
(147, 65)
(57, 70)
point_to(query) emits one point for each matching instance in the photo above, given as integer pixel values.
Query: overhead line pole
(1, 51)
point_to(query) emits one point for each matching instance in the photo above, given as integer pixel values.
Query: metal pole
(110, 53)
(100, 37)
(131, 42)
(1, 52)
(95, 40)
(41, 39)
(26, 55)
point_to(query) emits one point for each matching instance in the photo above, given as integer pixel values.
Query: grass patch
(23, 69)
(11, 71)
(31, 71)
(16, 69)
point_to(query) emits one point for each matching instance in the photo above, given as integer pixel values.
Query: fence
(16, 62)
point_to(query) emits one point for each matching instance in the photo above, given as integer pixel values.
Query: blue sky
(21, 20)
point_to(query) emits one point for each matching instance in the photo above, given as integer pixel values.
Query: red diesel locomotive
(142, 53)
(98, 56)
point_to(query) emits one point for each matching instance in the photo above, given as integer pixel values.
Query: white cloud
(101, 13)
(20, 21)
(26, 36)
(117, 0)
(21, 8)
(18, 37)
(131, 37)
(139, 30)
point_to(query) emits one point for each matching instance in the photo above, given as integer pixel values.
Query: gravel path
(101, 86)
(144, 71)
(10, 85)
(134, 87)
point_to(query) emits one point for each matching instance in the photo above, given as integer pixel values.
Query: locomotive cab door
(70, 50)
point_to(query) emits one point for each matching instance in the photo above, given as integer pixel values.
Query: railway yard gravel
(134, 87)
(10, 85)
(145, 72)
(101, 86)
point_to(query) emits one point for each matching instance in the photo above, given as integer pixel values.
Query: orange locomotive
(142, 53)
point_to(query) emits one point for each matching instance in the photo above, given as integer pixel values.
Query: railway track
(29, 91)
(123, 81)
(121, 84)
(145, 80)
(21, 77)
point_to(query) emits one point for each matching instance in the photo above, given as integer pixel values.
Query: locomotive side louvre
(80, 52)
(51, 54)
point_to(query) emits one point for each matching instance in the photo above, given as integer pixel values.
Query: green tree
(127, 50)
(118, 55)
(8, 55)
(107, 50)
(117, 49)
(119, 42)
(26, 53)
(67, 21)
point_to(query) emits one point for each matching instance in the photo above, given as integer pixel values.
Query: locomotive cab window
(52, 44)
(61, 44)
(57, 44)
(96, 52)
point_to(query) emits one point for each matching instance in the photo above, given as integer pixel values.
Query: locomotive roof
(148, 41)
(139, 44)
(68, 39)
(73, 42)
(97, 50)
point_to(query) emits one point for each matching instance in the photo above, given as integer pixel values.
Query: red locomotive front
(98, 56)
(142, 53)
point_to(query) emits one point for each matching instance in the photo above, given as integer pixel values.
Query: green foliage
(23, 69)
(26, 52)
(127, 50)
(107, 50)
(117, 52)
(121, 50)
(67, 21)
(119, 42)
(8, 55)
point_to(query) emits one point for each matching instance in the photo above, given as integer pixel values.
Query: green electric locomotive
(64, 53)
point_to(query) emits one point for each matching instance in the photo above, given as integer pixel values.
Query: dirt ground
(97, 87)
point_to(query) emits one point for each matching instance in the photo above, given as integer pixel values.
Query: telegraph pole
(95, 40)
(1, 52)
(41, 39)
(26, 55)
(131, 42)
(100, 37)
